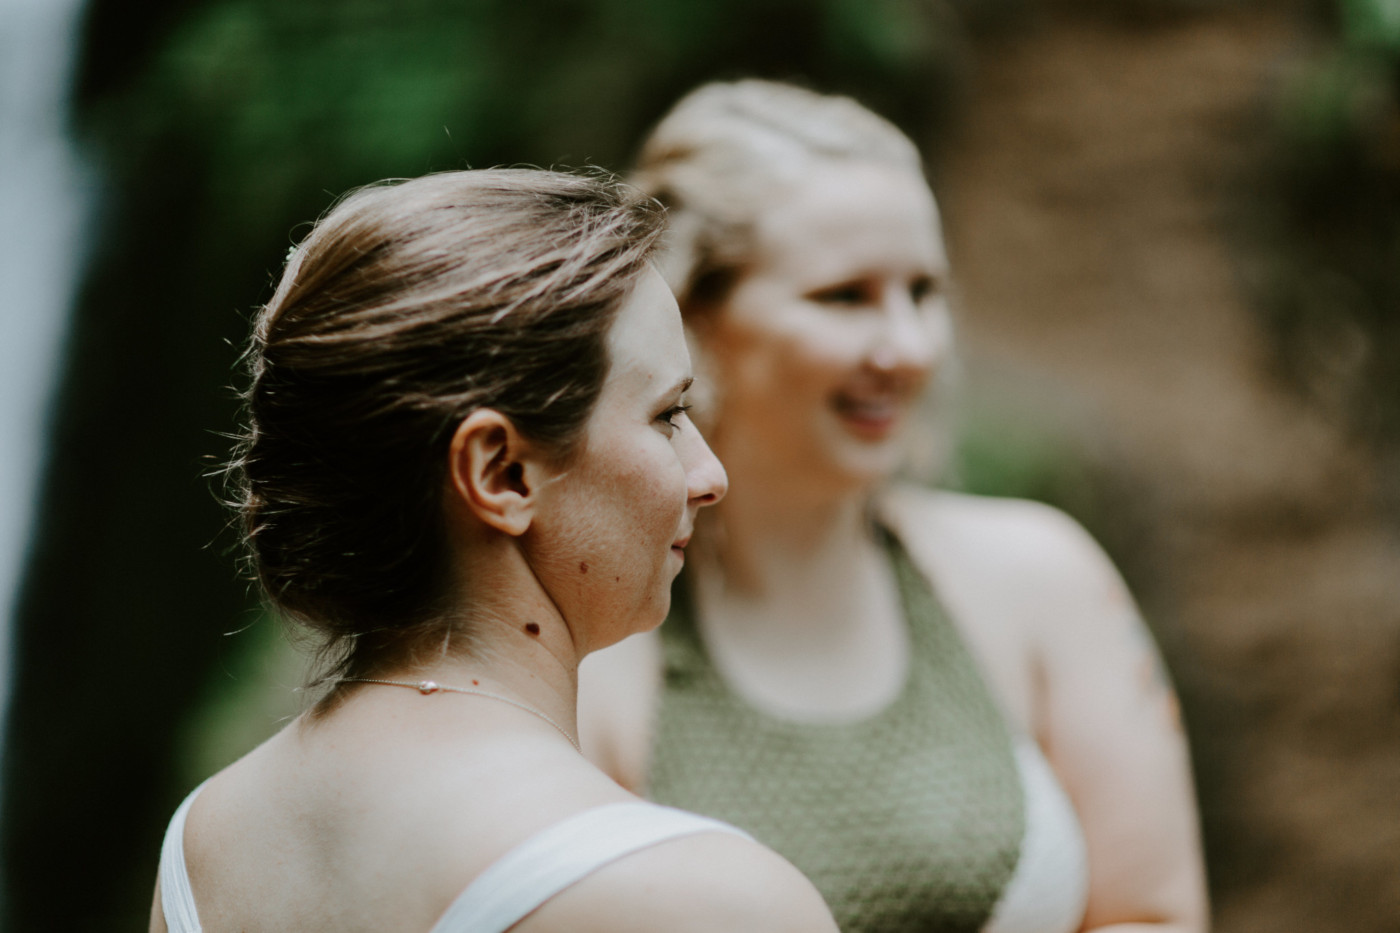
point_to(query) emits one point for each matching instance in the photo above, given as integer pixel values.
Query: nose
(914, 336)
(706, 480)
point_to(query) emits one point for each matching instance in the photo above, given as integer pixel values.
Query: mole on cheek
(583, 566)
(532, 627)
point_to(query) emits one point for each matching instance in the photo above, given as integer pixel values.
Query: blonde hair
(716, 158)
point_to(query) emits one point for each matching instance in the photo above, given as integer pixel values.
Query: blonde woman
(943, 709)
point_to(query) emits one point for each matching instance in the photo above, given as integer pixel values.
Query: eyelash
(670, 415)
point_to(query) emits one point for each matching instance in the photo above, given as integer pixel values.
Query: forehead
(646, 343)
(842, 218)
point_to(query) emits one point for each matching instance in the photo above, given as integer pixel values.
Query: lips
(870, 415)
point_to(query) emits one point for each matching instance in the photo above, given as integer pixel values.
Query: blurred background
(1175, 226)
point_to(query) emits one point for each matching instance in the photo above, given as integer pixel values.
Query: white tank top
(513, 885)
(1050, 887)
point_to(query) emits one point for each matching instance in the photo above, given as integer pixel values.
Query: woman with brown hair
(467, 464)
(943, 709)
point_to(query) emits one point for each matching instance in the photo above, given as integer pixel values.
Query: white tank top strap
(1050, 887)
(561, 855)
(513, 886)
(176, 898)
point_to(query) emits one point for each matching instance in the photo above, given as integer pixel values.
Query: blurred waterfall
(45, 195)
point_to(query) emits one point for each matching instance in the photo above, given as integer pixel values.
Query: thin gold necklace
(432, 686)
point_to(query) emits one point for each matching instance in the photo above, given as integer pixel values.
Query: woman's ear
(493, 470)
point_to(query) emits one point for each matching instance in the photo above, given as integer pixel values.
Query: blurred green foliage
(1004, 451)
(1330, 220)
(254, 692)
(289, 102)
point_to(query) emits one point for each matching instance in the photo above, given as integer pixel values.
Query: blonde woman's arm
(1108, 719)
(1067, 653)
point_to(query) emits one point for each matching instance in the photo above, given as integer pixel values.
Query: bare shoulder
(1027, 586)
(376, 820)
(1015, 529)
(1032, 549)
(618, 689)
(705, 882)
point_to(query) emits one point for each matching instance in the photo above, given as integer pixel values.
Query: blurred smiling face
(829, 337)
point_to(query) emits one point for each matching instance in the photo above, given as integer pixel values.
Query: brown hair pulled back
(407, 307)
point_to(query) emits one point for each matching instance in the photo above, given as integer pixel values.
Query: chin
(864, 460)
(647, 621)
(655, 623)
(657, 610)
(867, 464)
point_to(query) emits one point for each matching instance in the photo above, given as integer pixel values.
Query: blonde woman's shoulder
(921, 514)
(1039, 548)
(1014, 575)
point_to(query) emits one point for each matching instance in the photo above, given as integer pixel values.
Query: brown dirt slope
(1087, 199)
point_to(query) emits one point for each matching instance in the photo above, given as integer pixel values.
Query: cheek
(614, 529)
(790, 354)
(641, 491)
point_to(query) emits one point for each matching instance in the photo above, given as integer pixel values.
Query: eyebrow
(679, 387)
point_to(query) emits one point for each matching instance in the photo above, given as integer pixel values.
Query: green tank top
(910, 819)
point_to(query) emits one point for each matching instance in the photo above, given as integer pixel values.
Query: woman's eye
(851, 294)
(923, 288)
(671, 416)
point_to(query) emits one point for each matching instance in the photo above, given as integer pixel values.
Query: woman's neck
(799, 609)
(506, 637)
(766, 541)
